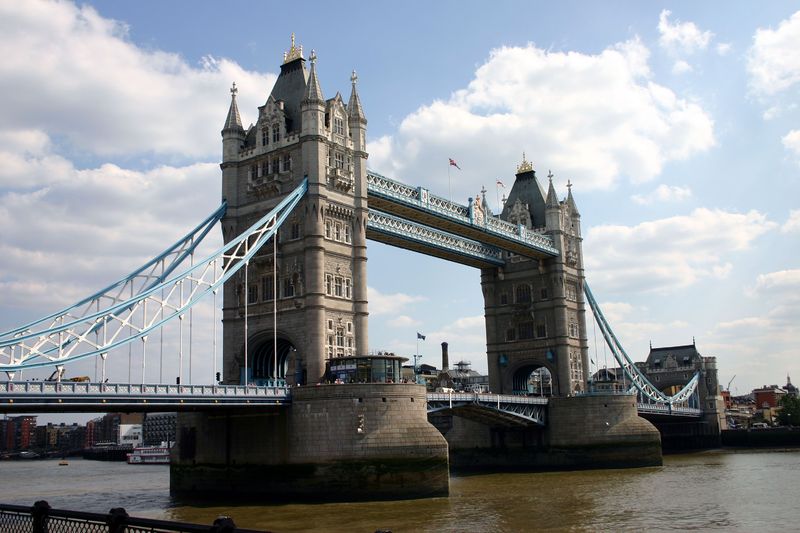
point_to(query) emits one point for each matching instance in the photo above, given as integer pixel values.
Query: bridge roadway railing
(510, 408)
(666, 409)
(49, 396)
(421, 200)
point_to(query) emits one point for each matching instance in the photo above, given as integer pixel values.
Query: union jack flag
(454, 164)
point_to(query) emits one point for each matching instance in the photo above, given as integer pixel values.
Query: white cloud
(663, 193)
(773, 62)
(670, 253)
(724, 49)
(403, 321)
(791, 141)
(592, 118)
(681, 37)
(785, 283)
(70, 72)
(792, 224)
(385, 304)
(681, 67)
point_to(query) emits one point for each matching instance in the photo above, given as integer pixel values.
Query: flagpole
(497, 194)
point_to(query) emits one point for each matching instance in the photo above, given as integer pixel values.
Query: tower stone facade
(535, 308)
(317, 279)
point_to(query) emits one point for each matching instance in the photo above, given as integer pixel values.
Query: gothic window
(340, 337)
(267, 289)
(288, 288)
(541, 331)
(287, 162)
(511, 334)
(264, 136)
(525, 330)
(503, 298)
(573, 330)
(339, 160)
(347, 291)
(276, 133)
(347, 233)
(337, 287)
(295, 230)
(252, 293)
(328, 229)
(338, 126)
(523, 293)
(338, 231)
(328, 284)
(572, 291)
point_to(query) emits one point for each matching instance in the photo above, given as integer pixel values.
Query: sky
(676, 123)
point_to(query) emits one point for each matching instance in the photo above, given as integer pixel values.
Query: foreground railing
(42, 519)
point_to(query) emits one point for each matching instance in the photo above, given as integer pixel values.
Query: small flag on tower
(454, 164)
(420, 335)
(500, 184)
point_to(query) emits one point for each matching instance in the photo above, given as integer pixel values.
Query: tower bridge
(298, 206)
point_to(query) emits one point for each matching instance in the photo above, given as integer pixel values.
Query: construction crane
(728, 388)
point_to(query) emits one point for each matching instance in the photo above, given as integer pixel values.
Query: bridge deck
(67, 397)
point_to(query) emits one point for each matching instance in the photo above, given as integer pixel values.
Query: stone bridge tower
(535, 312)
(317, 280)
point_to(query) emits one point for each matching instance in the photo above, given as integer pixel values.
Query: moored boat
(149, 455)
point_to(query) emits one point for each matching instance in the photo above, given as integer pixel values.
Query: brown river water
(709, 491)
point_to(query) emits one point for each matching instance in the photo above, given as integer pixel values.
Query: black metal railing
(42, 519)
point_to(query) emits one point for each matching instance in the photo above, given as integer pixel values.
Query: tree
(790, 410)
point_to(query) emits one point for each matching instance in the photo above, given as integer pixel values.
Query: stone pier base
(336, 442)
(601, 431)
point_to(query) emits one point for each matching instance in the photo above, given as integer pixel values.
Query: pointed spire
(552, 198)
(234, 121)
(571, 200)
(354, 108)
(313, 90)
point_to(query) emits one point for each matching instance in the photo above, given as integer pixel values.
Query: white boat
(149, 455)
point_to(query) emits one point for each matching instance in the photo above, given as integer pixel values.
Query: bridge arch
(532, 378)
(262, 359)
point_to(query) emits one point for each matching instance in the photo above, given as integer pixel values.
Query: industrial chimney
(445, 361)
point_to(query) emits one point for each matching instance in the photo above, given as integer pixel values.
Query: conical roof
(354, 108)
(233, 122)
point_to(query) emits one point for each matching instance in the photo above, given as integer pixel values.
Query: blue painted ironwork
(121, 323)
(518, 410)
(421, 199)
(67, 396)
(648, 392)
(151, 273)
(428, 237)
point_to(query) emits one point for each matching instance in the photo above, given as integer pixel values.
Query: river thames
(717, 490)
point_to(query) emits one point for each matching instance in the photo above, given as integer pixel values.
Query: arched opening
(533, 380)
(263, 367)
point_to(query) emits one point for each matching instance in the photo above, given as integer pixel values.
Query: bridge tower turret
(535, 316)
(317, 279)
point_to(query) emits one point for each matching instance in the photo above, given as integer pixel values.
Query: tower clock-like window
(338, 126)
